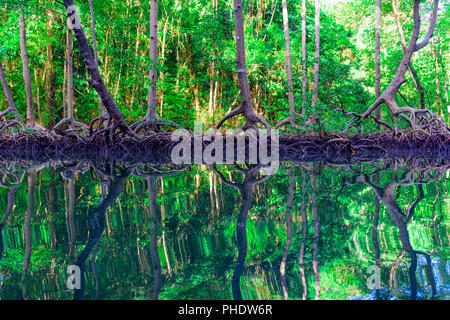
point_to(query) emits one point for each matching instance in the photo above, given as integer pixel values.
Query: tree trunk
(94, 47)
(153, 73)
(69, 68)
(377, 56)
(96, 79)
(412, 71)
(246, 108)
(287, 44)
(292, 113)
(443, 71)
(9, 99)
(51, 78)
(438, 100)
(240, 56)
(315, 96)
(304, 74)
(418, 118)
(31, 122)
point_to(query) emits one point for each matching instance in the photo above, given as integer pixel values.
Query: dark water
(312, 231)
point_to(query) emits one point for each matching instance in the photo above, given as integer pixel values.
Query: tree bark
(50, 71)
(94, 47)
(153, 73)
(246, 108)
(69, 68)
(304, 74)
(438, 39)
(419, 118)
(412, 71)
(287, 43)
(377, 56)
(31, 122)
(9, 98)
(436, 77)
(315, 96)
(96, 79)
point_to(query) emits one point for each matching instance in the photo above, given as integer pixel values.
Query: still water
(375, 230)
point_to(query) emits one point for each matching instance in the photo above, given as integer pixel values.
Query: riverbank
(157, 147)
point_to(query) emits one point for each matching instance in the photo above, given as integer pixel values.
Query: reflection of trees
(251, 178)
(69, 187)
(27, 230)
(387, 196)
(303, 244)
(316, 237)
(152, 174)
(96, 222)
(9, 207)
(315, 245)
(154, 229)
(9, 176)
(288, 218)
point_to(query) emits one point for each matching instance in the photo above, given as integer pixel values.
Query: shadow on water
(156, 231)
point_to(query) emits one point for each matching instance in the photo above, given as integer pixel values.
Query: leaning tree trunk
(414, 76)
(287, 43)
(94, 48)
(419, 119)
(96, 79)
(246, 108)
(9, 98)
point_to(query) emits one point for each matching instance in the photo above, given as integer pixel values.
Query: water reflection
(313, 231)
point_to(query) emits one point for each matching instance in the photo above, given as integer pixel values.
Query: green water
(191, 234)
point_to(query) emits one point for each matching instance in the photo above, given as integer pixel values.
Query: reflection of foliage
(197, 246)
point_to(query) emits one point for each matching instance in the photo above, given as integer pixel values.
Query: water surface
(312, 231)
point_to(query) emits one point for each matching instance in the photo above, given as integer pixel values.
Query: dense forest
(92, 92)
(312, 65)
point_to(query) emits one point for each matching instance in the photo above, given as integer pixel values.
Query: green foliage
(197, 78)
